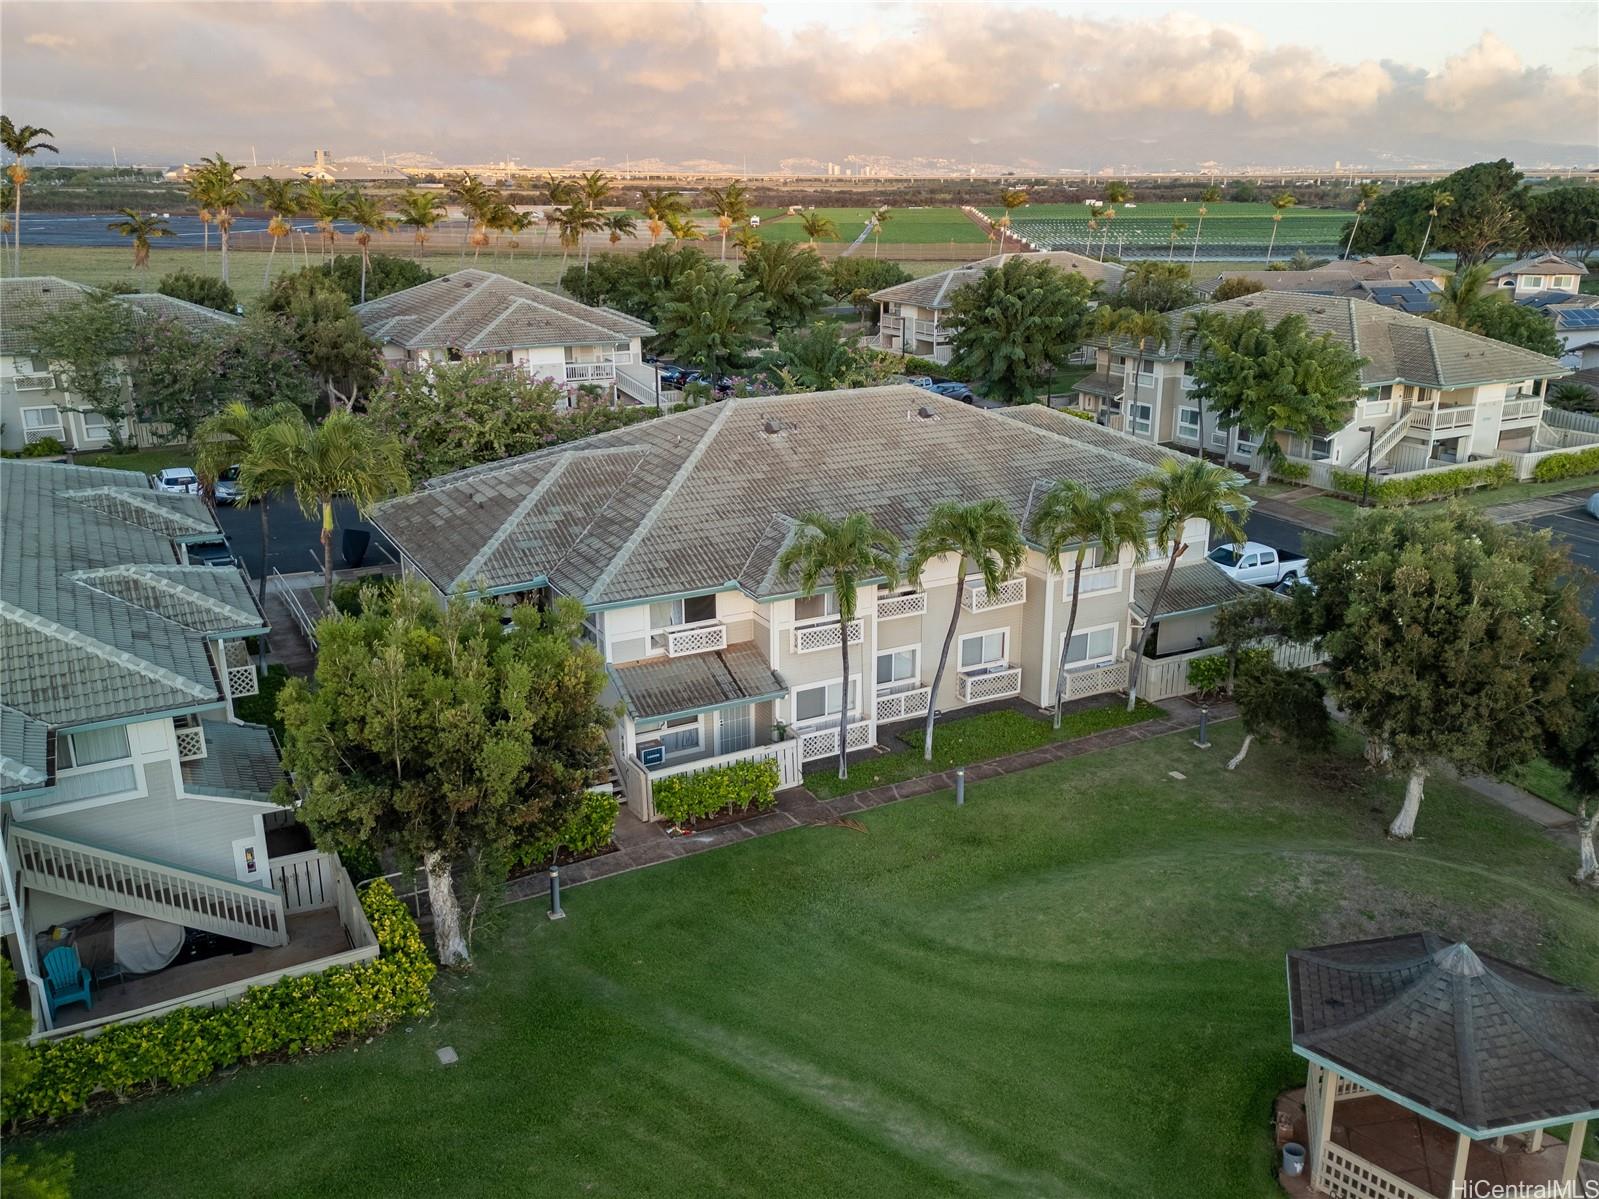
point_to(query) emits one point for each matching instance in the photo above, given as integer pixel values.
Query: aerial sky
(1035, 86)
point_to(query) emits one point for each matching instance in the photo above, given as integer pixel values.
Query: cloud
(50, 41)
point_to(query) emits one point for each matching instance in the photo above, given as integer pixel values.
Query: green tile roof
(241, 762)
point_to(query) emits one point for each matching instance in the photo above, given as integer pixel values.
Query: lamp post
(1371, 441)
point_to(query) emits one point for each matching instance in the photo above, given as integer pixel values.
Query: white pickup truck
(1254, 562)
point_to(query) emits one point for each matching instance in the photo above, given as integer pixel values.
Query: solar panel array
(1579, 318)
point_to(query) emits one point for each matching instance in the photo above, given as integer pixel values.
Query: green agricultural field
(1071, 986)
(1146, 228)
(905, 226)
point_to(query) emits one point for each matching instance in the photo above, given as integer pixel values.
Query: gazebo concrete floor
(1414, 1148)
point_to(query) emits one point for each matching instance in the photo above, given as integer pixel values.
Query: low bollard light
(1204, 736)
(555, 912)
(960, 786)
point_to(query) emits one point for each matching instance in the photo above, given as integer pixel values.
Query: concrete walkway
(640, 845)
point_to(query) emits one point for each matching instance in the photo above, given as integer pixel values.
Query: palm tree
(818, 226)
(879, 218)
(1106, 214)
(225, 439)
(848, 552)
(731, 205)
(8, 196)
(596, 188)
(1368, 193)
(1210, 195)
(20, 141)
(369, 216)
(1010, 197)
(1142, 329)
(520, 222)
(1280, 203)
(659, 206)
(344, 455)
(620, 225)
(141, 229)
(281, 198)
(1088, 240)
(1200, 326)
(1177, 493)
(982, 537)
(1459, 302)
(746, 241)
(1440, 199)
(495, 218)
(683, 228)
(217, 185)
(324, 206)
(1177, 226)
(420, 211)
(470, 193)
(1070, 517)
(573, 221)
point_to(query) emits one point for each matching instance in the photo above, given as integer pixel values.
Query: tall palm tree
(1146, 330)
(683, 228)
(1177, 226)
(847, 552)
(281, 198)
(879, 218)
(1209, 196)
(420, 212)
(1011, 198)
(597, 188)
(1107, 214)
(1280, 203)
(20, 141)
(982, 537)
(573, 221)
(1177, 493)
(225, 439)
(659, 205)
(345, 455)
(619, 225)
(141, 229)
(368, 216)
(817, 226)
(222, 192)
(1459, 302)
(1368, 193)
(325, 205)
(520, 222)
(731, 206)
(8, 197)
(1440, 199)
(1088, 239)
(474, 197)
(1072, 518)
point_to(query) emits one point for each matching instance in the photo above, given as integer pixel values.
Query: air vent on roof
(772, 427)
(1319, 309)
(922, 413)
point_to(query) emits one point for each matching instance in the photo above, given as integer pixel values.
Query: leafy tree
(20, 141)
(176, 374)
(1156, 287)
(818, 227)
(140, 229)
(709, 318)
(821, 357)
(1117, 193)
(446, 734)
(789, 280)
(327, 336)
(1070, 518)
(1174, 496)
(845, 276)
(609, 280)
(38, 1176)
(1573, 745)
(844, 553)
(87, 343)
(1016, 326)
(346, 455)
(1448, 637)
(1275, 379)
(199, 289)
(226, 439)
(1235, 286)
(385, 274)
(1282, 705)
(1244, 191)
(450, 415)
(261, 364)
(1518, 326)
(1562, 220)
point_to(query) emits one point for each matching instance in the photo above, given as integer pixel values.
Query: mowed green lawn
(1072, 986)
(905, 226)
(1149, 225)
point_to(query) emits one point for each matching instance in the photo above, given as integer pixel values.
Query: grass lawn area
(1330, 505)
(1548, 782)
(905, 226)
(1071, 986)
(962, 742)
(1486, 497)
(147, 461)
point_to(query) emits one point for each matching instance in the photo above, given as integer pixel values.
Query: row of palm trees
(984, 539)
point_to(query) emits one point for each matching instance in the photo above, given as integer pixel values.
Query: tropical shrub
(1292, 472)
(293, 1015)
(845, 276)
(1418, 489)
(1208, 675)
(1567, 466)
(910, 364)
(589, 829)
(687, 797)
(45, 447)
(204, 290)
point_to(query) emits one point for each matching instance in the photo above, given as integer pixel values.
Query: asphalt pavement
(1580, 532)
(295, 539)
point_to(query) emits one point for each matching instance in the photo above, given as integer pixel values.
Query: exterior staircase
(145, 887)
(1386, 441)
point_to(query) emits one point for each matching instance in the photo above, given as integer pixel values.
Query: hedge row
(1292, 472)
(910, 364)
(1567, 466)
(589, 829)
(1421, 488)
(684, 797)
(293, 1015)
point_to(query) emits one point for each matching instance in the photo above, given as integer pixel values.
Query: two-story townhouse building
(669, 533)
(1537, 276)
(1430, 394)
(139, 832)
(480, 315)
(913, 317)
(34, 402)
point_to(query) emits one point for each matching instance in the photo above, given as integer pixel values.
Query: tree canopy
(821, 357)
(789, 280)
(1016, 326)
(385, 274)
(204, 290)
(845, 276)
(709, 318)
(1156, 286)
(326, 334)
(87, 343)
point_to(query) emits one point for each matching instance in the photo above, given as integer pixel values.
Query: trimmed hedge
(293, 1015)
(1567, 466)
(1292, 472)
(684, 797)
(1420, 488)
(910, 364)
(590, 828)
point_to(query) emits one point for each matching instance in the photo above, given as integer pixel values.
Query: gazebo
(1432, 1067)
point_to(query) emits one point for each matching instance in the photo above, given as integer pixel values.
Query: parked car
(1293, 582)
(955, 391)
(177, 480)
(925, 381)
(1258, 563)
(1593, 505)
(226, 490)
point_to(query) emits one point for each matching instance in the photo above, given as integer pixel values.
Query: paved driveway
(296, 540)
(1580, 532)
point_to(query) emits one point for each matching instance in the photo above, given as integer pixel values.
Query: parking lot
(296, 540)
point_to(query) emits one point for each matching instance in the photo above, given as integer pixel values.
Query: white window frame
(830, 715)
(1137, 424)
(1534, 281)
(658, 730)
(66, 750)
(987, 663)
(39, 428)
(910, 682)
(102, 423)
(1331, 454)
(1182, 425)
(1244, 445)
(1089, 662)
(829, 606)
(652, 631)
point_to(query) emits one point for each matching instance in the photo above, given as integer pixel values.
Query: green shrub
(1208, 676)
(45, 447)
(589, 829)
(687, 797)
(1079, 413)
(1292, 472)
(1567, 466)
(348, 596)
(293, 1015)
(911, 365)
(1391, 493)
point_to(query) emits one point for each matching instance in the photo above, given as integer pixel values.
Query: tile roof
(1337, 278)
(24, 748)
(23, 300)
(475, 311)
(1196, 587)
(707, 497)
(934, 291)
(241, 762)
(1540, 264)
(1477, 1041)
(677, 686)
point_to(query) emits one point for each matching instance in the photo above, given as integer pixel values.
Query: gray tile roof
(1195, 587)
(241, 762)
(676, 686)
(688, 502)
(24, 749)
(1451, 1033)
(1337, 278)
(476, 311)
(197, 317)
(23, 300)
(1541, 264)
(934, 291)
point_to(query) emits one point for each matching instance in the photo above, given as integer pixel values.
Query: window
(1092, 647)
(1218, 436)
(671, 613)
(1188, 423)
(820, 701)
(93, 748)
(680, 735)
(95, 426)
(811, 607)
(1143, 417)
(1323, 450)
(1246, 440)
(1532, 281)
(41, 418)
(980, 651)
(896, 670)
(1562, 282)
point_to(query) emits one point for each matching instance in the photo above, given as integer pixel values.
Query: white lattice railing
(696, 638)
(903, 705)
(191, 743)
(1346, 1175)
(913, 604)
(40, 432)
(823, 742)
(1095, 680)
(1011, 592)
(34, 382)
(242, 680)
(999, 684)
(822, 633)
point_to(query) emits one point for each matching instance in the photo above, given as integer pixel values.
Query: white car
(1593, 505)
(1257, 563)
(177, 480)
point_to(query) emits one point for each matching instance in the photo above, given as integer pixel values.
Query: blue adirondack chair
(66, 981)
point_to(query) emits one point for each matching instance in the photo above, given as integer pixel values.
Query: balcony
(821, 633)
(1526, 409)
(903, 705)
(821, 741)
(34, 382)
(590, 372)
(240, 673)
(975, 597)
(37, 433)
(1443, 420)
(932, 331)
(698, 638)
(899, 606)
(1000, 682)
